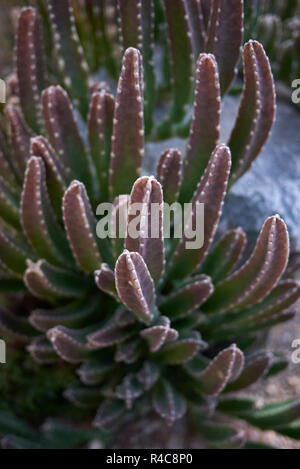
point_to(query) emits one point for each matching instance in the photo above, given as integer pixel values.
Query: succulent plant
(147, 323)
(276, 26)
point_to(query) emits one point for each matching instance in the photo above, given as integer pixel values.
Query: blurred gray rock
(273, 183)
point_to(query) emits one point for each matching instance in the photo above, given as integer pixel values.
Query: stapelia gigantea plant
(148, 324)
